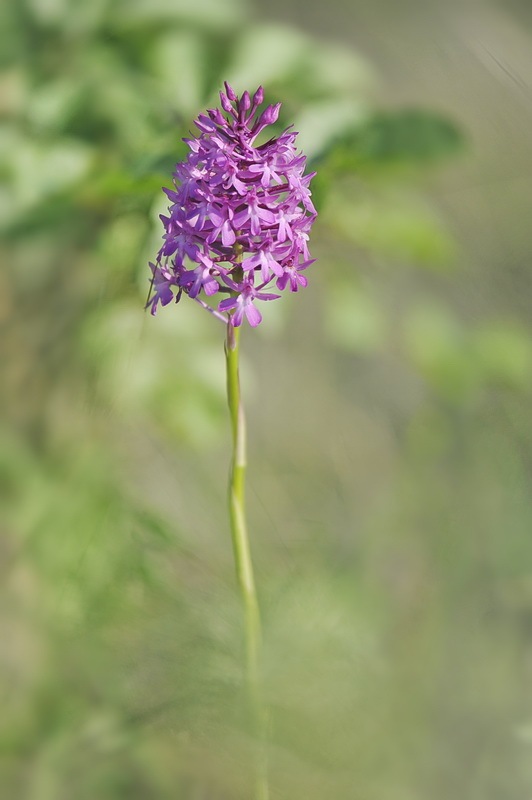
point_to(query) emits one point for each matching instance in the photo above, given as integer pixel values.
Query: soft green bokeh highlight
(389, 422)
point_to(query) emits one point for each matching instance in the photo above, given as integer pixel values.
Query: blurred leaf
(409, 136)
(14, 92)
(180, 63)
(78, 575)
(56, 213)
(49, 11)
(159, 162)
(389, 222)
(319, 122)
(204, 13)
(438, 346)
(120, 244)
(353, 320)
(457, 361)
(336, 70)
(137, 374)
(505, 353)
(69, 15)
(266, 53)
(37, 171)
(124, 103)
(51, 106)
(119, 184)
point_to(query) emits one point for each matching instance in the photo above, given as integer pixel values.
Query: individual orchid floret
(240, 213)
(161, 292)
(243, 304)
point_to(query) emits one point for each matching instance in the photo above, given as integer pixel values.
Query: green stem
(242, 554)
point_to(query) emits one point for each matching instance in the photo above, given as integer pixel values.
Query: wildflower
(240, 213)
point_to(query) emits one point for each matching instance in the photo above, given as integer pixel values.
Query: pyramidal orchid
(236, 234)
(240, 214)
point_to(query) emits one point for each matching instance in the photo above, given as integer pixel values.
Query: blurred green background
(388, 409)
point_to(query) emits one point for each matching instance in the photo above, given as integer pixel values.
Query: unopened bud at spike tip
(245, 102)
(225, 103)
(230, 92)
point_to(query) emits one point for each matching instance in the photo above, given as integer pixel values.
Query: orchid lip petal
(253, 315)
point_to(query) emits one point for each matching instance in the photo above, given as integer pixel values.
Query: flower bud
(245, 102)
(230, 92)
(226, 103)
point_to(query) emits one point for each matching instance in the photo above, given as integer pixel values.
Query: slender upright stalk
(242, 555)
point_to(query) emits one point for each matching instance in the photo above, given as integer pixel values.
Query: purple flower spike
(240, 213)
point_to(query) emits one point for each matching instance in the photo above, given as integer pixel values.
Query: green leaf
(205, 13)
(51, 106)
(334, 70)
(136, 374)
(180, 60)
(69, 15)
(266, 53)
(37, 173)
(409, 136)
(396, 224)
(320, 121)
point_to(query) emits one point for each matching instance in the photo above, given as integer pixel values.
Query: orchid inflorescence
(240, 214)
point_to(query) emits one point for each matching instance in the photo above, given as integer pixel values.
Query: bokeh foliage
(390, 442)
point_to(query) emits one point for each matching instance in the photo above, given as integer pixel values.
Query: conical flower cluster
(240, 214)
